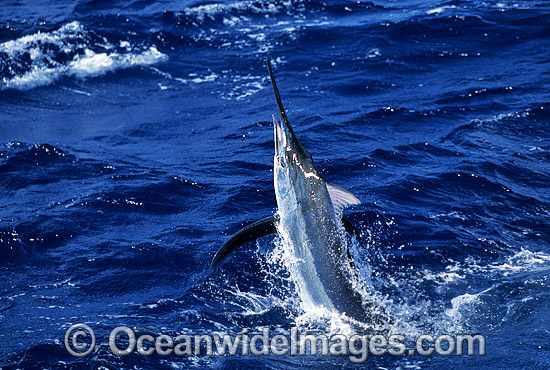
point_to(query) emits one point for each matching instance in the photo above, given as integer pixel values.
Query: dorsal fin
(341, 198)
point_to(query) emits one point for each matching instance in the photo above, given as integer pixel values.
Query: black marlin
(309, 219)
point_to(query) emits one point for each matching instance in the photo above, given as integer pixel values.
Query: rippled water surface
(136, 136)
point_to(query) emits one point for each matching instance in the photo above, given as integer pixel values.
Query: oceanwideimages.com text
(80, 341)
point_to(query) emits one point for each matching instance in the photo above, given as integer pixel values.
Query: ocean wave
(72, 50)
(233, 12)
(521, 124)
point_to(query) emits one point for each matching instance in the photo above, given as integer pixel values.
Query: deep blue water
(136, 136)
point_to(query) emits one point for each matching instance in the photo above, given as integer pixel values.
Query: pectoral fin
(258, 229)
(265, 226)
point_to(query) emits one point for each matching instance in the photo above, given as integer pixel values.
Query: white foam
(453, 214)
(252, 303)
(462, 307)
(58, 37)
(442, 277)
(211, 10)
(70, 39)
(524, 260)
(440, 9)
(93, 64)
(35, 77)
(208, 78)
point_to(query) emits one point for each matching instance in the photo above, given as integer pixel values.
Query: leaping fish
(309, 218)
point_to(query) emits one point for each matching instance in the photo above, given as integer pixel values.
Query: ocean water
(136, 137)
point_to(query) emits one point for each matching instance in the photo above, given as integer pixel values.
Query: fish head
(293, 164)
(292, 160)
